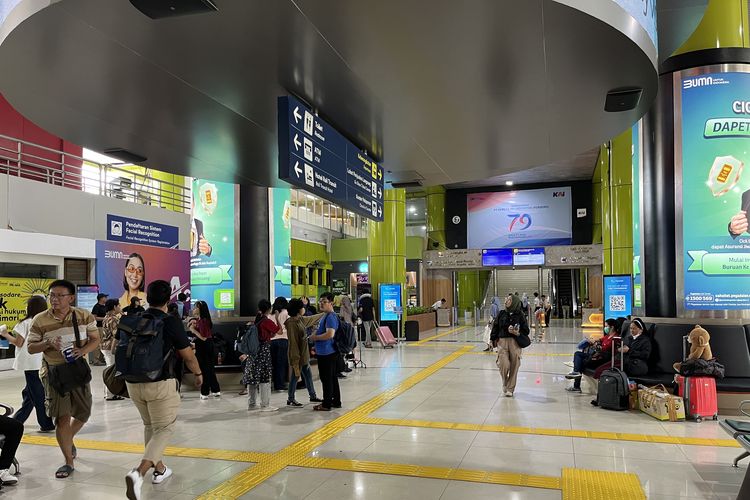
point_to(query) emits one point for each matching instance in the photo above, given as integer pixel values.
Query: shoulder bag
(69, 376)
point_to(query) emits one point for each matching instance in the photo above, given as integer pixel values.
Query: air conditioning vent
(125, 155)
(406, 184)
(160, 9)
(623, 99)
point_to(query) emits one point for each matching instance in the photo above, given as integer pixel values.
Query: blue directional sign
(316, 157)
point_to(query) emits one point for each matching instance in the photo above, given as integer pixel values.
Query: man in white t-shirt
(439, 304)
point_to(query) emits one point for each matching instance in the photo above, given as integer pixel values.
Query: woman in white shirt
(280, 345)
(33, 393)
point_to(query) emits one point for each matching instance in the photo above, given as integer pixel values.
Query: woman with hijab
(346, 310)
(510, 324)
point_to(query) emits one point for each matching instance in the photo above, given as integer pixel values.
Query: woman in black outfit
(201, 326)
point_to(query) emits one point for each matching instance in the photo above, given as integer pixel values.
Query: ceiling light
(412, 209)
(424, 228)
(508, 183)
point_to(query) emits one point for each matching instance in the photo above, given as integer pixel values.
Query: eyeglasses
(324, 301)
(132, 269)
(54, 296)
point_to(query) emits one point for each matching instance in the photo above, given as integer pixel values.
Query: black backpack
(139, 355)
(345, 338)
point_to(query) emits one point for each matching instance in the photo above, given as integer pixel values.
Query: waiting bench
(740, 432)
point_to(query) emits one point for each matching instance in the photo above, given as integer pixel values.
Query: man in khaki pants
(159, 401)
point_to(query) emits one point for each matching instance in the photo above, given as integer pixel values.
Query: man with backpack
(327, 354)
(145, 355)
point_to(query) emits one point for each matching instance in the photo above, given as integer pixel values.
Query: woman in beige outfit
(511, 324)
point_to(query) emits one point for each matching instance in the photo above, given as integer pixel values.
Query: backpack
(249, 342)
(139, 354)
(345, 338)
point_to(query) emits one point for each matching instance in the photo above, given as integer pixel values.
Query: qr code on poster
(617, 303)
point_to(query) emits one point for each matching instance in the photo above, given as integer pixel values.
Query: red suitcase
(699, 394)
(385, 337)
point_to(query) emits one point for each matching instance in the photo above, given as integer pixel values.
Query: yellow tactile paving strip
(540, 431)
(575, 484)
(580, 484)
(439, 335)
(421, 471)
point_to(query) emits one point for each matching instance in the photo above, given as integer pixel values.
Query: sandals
(64, 472)
(320, 408)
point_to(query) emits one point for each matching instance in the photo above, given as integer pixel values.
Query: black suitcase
(411, 329)
(613, 385)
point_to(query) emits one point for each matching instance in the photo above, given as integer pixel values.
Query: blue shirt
(326, 347)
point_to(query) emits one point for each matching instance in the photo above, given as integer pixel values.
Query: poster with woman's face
(124, 270)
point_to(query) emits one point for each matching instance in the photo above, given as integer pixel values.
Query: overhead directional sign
(316, 157)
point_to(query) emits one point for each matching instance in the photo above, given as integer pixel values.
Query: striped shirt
(46, 326)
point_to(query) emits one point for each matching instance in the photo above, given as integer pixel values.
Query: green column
(615, 199)
(386, 244)
(470, 286)
(724, 24)
(436, 217)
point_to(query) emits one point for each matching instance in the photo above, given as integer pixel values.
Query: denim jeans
(279, 362)
(579, 363)
(33, 398)
(307, 375)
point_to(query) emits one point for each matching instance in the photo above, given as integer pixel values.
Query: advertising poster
(282, 242)
(390, 301)
(529, 218)
(715, 191)
(618, 296)
(14, 293)
(212, 244)
(86, 296)
(636, 155)
(124, 270)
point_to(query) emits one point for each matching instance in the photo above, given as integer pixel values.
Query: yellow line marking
(507, 429)
(581, 484)
(172, 451)
(249, 478)
(439, 335)
(475, 476)
(526, 354)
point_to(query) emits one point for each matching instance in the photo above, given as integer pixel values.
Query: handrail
(76, 172)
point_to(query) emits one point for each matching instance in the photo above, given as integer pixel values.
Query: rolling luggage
(699, 393)
(614, 393)
(385, 336)
(411, 329)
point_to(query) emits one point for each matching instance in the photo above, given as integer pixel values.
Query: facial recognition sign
(390, 301)
(715, 110)
(317, 158)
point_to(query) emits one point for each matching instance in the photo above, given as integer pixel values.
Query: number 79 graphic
(522, 220)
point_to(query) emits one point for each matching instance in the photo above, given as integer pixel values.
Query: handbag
(115, 384)
(69, 376)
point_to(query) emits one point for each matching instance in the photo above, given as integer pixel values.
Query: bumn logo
(558, 194)
(523, 221)
(697, 82)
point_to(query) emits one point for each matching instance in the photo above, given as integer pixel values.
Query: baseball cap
(101, 296)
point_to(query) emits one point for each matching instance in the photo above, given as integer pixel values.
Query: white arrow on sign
(380, 211)
(380, 193)
(297, 170)
(297, 144)
(296, 114)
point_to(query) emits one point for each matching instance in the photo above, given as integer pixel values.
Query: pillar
(254, 255)
(386, 244)
(435, 217)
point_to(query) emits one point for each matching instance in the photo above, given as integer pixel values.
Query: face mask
(606, 330)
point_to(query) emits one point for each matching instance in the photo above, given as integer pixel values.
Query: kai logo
(558, 194)
(523, 221)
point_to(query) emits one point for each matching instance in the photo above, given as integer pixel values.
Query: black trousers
(279, 363)
(13, 431)
(329, 380)
(206, 354)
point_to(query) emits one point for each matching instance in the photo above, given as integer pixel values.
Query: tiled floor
(466, 390)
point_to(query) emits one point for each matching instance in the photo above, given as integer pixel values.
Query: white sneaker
(508, 394)
(203, 397)
(269, 408)
(7, 478)
(133, 483)
(159, 477)
(216, 394)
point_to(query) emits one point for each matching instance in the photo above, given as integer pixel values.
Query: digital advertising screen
(212, 244)
(715, 109)
(492, 257)
(636, 165)
(124, 270)
(618, 295)
(528, 256)
(390, 301)
(528, 218)
(15, 293)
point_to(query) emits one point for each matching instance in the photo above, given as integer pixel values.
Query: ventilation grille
(160, 9)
